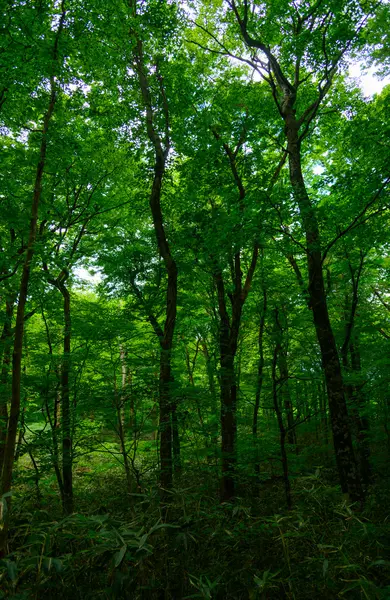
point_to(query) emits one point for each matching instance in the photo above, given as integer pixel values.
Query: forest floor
(196, 548)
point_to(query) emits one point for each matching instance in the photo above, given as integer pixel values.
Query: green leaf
(12, 570)
(118, 556)
(325, 566)
(379, 563)
(143, 540)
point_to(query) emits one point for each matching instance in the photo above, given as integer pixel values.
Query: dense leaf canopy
(194, 299)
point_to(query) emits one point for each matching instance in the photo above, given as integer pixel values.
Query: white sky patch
(78, 84)
(366, 79)
(318, 169)
(86, 277)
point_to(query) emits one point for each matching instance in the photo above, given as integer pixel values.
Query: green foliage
(227, 190)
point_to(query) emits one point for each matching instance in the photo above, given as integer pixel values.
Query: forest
(194, 299)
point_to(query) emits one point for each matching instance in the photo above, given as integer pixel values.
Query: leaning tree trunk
(9, 451)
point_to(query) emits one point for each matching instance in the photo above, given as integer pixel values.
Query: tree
(287, 67)
(9, 450)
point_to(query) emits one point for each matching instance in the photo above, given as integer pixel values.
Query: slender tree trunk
(278, 411)
(166, 436)
(67, 457)
(175, 441)
(6, 340)
(285, 393)
(53, 417)
(36, 471)
(228, 426)
(228, 338)
(259, 383)
(120, 401)
(123, 401)
(9, 452)
(54, 420)
(354, 389)
(165, 396)
(161, 152)
(229, 329)
(125, 456)
(190, 370)
(342, 439)
(363, 424)
(213, 394)
(132, 409)
(21, 433)
(154, 415)
(324, 411)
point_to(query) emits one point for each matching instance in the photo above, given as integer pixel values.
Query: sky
(367, 81)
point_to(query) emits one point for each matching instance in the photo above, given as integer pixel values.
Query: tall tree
(161, 153)
(287, 65)
(9, 452)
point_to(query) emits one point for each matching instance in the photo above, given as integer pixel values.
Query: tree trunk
(213, 394)
(324, 411)
(161, 153)
(363, 424)
(123, 400)
(228, 337)
(19, 443)
(190, 370)
(228, 426)
(67, 458)
(55, 417)
(9, 452)
(166, 462)
(125, 456)
(342, 440)
(6, 339)
(166, 342)
(175, 441)
(259, 383)
(120, 402)
(229, 329)
(285, 95)
(278, 411)
(285, 393)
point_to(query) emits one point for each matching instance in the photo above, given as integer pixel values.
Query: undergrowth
(195, 547)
